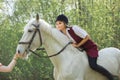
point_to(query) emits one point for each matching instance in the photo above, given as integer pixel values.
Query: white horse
(70, 64)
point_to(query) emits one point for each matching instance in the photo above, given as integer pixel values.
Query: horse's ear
(37, 17)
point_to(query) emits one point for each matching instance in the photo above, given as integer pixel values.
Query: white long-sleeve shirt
(78, 31)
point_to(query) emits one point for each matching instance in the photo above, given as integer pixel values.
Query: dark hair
(63, 18)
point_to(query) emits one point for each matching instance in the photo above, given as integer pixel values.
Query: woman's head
(61, 22)
(63, 18)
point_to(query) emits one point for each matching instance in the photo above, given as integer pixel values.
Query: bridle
(30, 42)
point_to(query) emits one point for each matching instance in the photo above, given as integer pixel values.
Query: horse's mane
(53, 32)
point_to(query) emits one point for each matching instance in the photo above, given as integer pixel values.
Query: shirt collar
(67, 29)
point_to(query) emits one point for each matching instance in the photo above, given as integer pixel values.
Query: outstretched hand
(16, 56)
(0, 64)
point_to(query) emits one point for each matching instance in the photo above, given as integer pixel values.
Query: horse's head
(31, 38)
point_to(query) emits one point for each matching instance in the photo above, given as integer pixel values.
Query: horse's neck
(54, 41)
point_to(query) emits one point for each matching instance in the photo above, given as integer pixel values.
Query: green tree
(99, 17)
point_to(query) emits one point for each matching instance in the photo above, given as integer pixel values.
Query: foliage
(100, 18)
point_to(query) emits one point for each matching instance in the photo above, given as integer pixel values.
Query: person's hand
(16, 56)
(0, 64)
(75, 45)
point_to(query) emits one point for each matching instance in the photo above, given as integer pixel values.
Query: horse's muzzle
(18, 51)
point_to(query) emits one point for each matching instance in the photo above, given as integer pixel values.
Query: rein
(50, 55)
(30, 42)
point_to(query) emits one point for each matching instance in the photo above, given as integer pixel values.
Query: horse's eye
(30, 30)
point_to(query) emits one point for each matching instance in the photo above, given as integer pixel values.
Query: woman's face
(60, 25)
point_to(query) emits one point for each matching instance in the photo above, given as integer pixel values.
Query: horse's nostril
(19, 51)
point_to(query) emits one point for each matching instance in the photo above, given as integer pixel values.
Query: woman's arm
(81, 33)
(82, 42)
(11, 65)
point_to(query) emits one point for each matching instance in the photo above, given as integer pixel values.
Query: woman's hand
(0, 64)
(75, 45)
(81, 42)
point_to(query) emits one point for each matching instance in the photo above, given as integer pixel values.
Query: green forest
(100, 18)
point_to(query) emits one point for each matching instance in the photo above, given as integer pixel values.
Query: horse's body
(70, 64)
